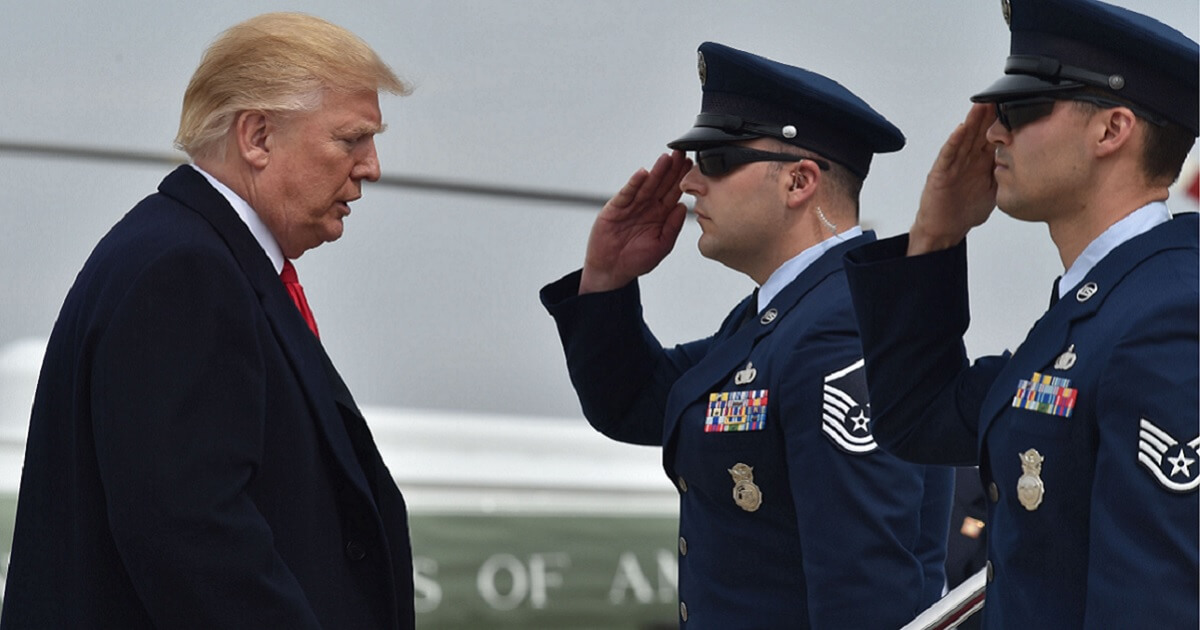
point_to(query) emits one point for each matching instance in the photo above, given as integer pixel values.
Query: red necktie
(288, 275)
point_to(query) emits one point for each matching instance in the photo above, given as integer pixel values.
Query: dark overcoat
(193, 459)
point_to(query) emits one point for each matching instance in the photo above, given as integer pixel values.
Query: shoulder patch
(846, 413)
(1173, 465)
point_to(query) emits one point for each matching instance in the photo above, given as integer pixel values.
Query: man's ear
(802, 179)
(1119, 124)
(253, 130)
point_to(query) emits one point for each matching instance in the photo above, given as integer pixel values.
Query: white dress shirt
(259, 229)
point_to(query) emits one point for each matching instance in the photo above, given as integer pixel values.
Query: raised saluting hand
(637, 227)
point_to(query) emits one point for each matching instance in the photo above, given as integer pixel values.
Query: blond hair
(275, 62)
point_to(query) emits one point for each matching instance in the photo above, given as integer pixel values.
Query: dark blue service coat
(194, 460)
(799, 522)
(1092, 517)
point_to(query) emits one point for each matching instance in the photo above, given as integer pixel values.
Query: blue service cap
(1063, 45)
(746, 96)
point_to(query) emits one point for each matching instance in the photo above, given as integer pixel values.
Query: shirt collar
(257, 228)
(1136, 223)
(790, 270)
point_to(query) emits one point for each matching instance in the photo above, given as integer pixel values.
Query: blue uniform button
(682, 546)
(991, 573)
(683, 611)
(682, 484)
(993, 492)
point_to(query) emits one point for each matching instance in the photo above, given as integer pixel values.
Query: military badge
(846, 414)
(1086, 292)
(736, 411)
(1006, 9)
(702, 68)
(746, 376)
(1157, 450)
(745, 493)
(1030, 488)
(1046, 394)
(1066, 360)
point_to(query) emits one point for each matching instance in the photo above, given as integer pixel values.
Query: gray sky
(430, 299)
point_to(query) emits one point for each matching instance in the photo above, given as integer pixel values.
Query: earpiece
(829, 225)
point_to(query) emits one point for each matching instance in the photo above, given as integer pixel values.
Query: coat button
(682, 546)
(993, 492)
(991, 573)
(355, 550)
(682, 484)
(683, 611)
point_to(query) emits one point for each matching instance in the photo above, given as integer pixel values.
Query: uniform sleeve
(620, 371)
(858, 509)
(1143, 566)
(912, 313)
(178, 403)
(936, 504)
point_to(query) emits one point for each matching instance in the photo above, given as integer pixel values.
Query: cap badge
(745, 494)
(789, 131)
(1006, 9)
(702, 68)
(1030, 488)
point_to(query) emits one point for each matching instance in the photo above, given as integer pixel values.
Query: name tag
(736, 411)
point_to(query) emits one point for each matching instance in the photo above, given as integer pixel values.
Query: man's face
(742, 213)
(317, 162)
(1041, 166)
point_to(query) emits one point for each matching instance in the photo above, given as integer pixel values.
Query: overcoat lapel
(303, 350)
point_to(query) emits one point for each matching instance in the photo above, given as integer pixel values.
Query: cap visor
(1015, 86)
(700, 138)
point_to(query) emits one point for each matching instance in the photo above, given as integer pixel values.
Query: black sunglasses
(720, 160)
(1018, 113)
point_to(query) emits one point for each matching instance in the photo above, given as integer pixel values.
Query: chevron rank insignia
(846, 414)
(1175, 466)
